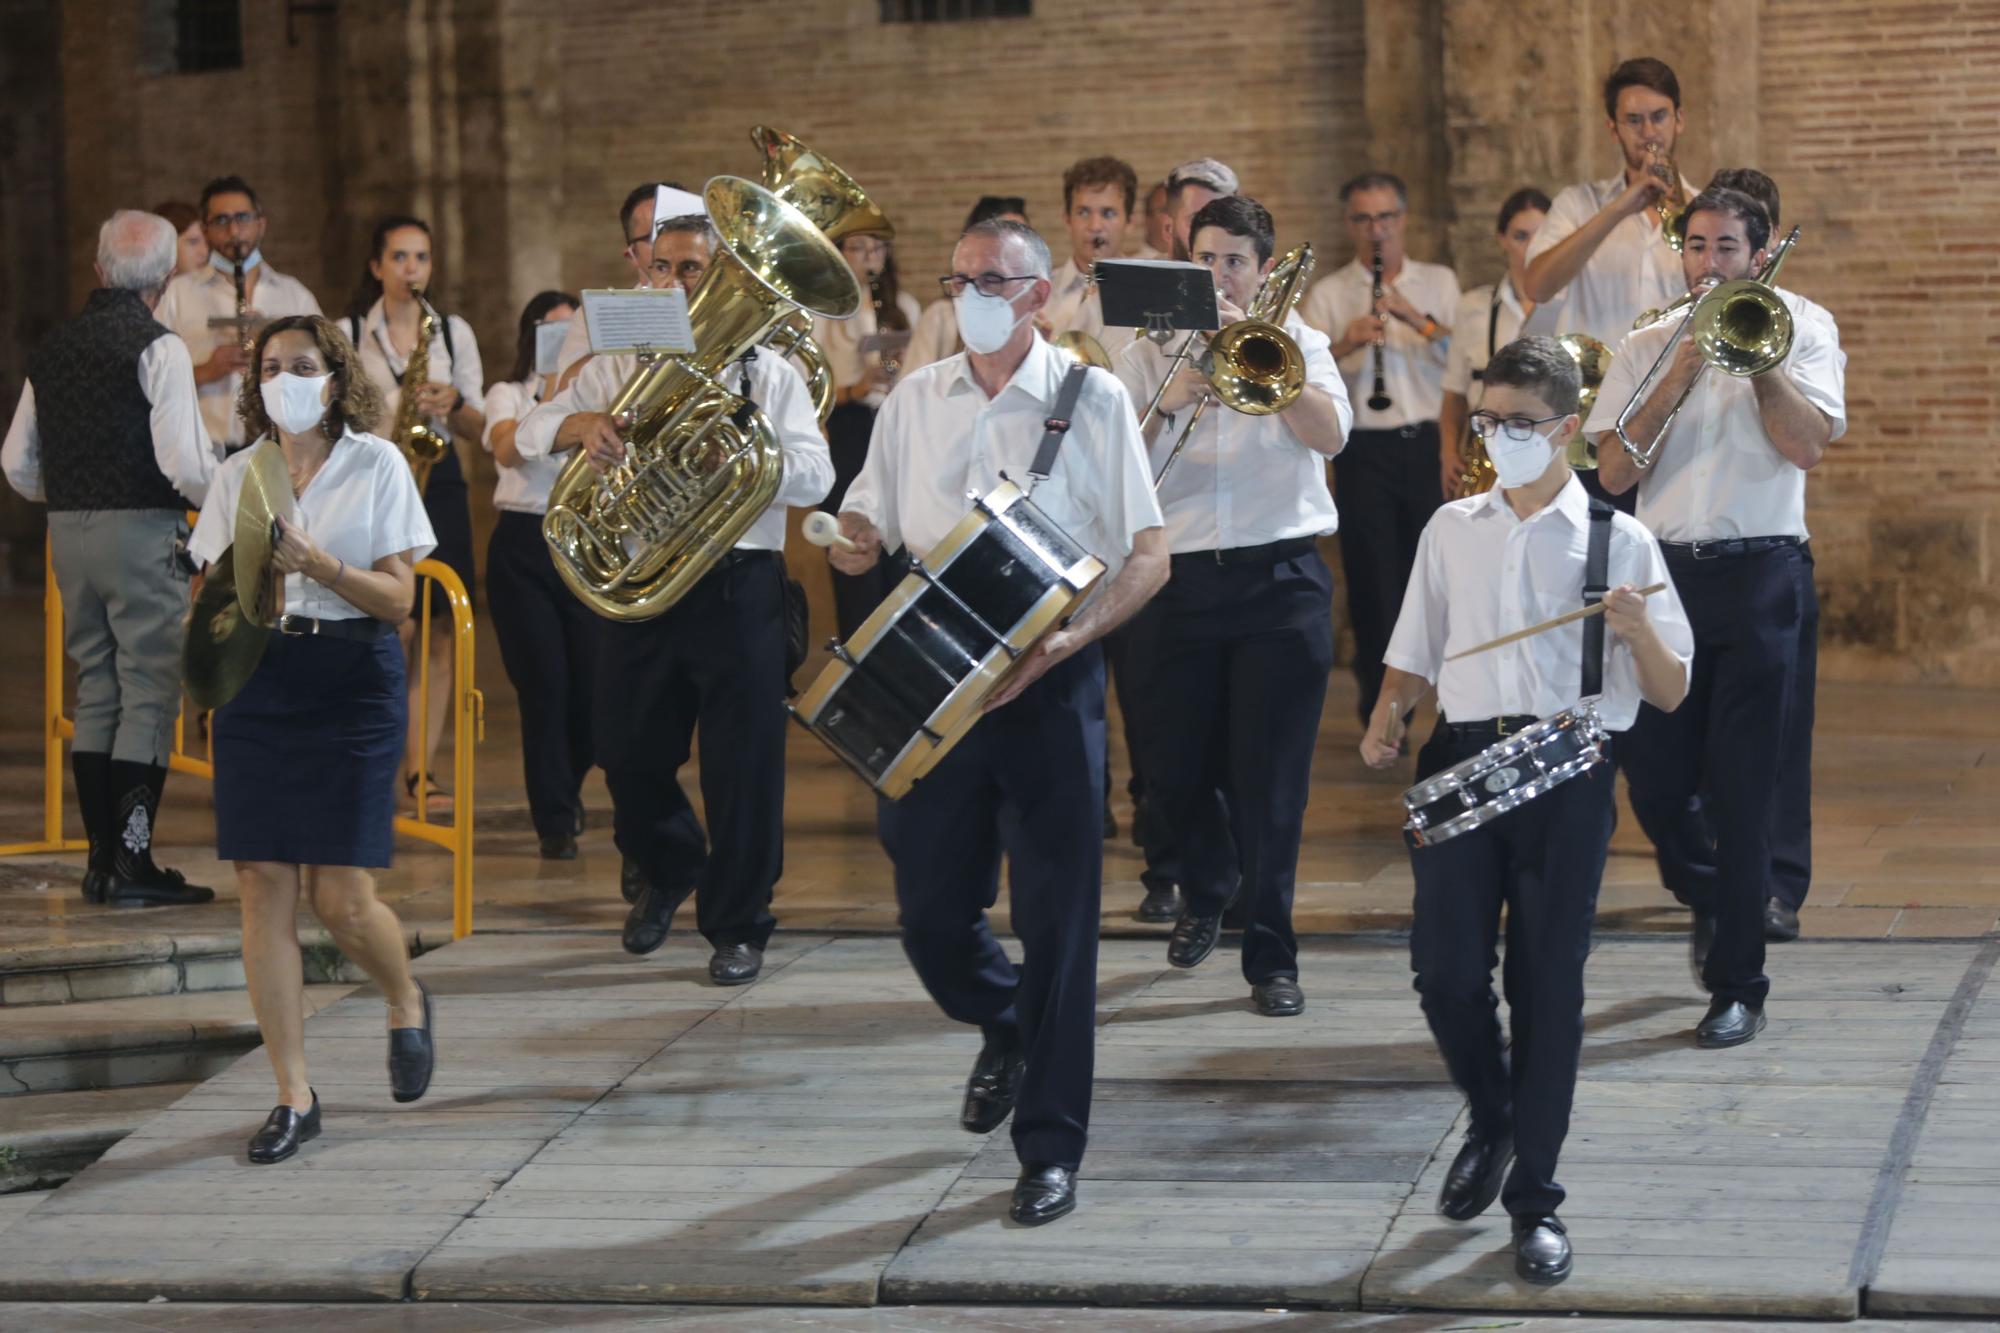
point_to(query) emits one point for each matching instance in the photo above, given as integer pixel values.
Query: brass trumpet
(1669, 205)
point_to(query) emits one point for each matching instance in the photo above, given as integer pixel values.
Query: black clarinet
(1378, 401)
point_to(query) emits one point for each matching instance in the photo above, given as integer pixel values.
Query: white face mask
(985, 323)
(1520, 462)
(227, 265)
(294, 402)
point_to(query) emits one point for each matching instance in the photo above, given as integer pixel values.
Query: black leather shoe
(1473, 1182)
(1728, 1023)
(1781, 923)
(1162, 904)
(1701, 938)
(1193, 939)
(166, 888)
(95, 885)
(1280, 997)
(559, 847)
(412, 1056)
(1541, 1250)
(990, 1091)
(1043, 1194)
(284, 1130)
(647, 924)
(735, 964)
(631, 880)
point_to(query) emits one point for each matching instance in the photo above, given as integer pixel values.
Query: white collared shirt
(523, 489)
(1146, 251)
(934, 336)
(360, 506)
(840, 340)
(1478, 331)
(192, 299)
(186, 456)
(1483, 571)
(1241, 480)
(1717, 473)
(1412, 365)
(1073, 302)
(780, 393)
(939, 438)
(457, 365)
(1632, 271)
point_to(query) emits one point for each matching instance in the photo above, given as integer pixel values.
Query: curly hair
(356, 404)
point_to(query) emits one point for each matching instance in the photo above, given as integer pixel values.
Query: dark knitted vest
(92, 413)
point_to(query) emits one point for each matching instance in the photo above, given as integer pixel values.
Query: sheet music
(634, 320)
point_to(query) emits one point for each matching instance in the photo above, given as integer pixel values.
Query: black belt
(1710, 550)
(1270, 553)
(1489, 729)
(364, 628)
(1409, 432)
(735, 558)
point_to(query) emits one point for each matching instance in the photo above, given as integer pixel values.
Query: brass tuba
(411, 434)
(702, 464)
(837, 205)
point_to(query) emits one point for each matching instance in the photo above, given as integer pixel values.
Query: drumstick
(823, 529)
(1531, 631)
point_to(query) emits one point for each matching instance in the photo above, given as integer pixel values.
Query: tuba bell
(702, 463)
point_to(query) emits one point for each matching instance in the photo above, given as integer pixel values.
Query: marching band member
(1726, 498)
(548, 637)
(635, 226)
(1158, 233)
(1488, 564)
(936, 334)
(192, 253)
(1230, 661)
(1028, 779)
(382, 322)
(108, 435)
(305, 752)
(862, 378)
(1490, 317)
(1386, 478)
(717, 658)
(200, 306)
(1098, 194)
(1190, 187)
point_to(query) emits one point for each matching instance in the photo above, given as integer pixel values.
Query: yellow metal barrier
(468, 727)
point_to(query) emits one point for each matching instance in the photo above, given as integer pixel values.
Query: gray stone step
(127, 1042)
(47, 1137)
(126, 966)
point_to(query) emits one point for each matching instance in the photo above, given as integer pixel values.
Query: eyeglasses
(233, 219)
(1485, 424)
(989, 284)
(1364, 219)
(865, 247)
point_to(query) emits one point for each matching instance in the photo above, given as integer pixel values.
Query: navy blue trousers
(1026, 782)
(1232, 662)
(1726, 741)
(1386, 482)
(717, 658)
(1544, 862)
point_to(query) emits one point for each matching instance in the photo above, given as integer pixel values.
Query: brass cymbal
(265, 498)
(222, 647)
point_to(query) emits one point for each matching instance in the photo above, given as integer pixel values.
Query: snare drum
(1504, 776)
(914, 678)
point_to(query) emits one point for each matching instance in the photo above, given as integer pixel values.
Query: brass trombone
(1740, 327)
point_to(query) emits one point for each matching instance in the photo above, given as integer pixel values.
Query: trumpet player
(214, 315)
(1390, 343)
(716, 658)
(1229, 662)
(1492, 317)
(1725, 495)
(1098, 195)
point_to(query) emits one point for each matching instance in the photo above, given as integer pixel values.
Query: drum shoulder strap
(1058, 423)
(1596, 567)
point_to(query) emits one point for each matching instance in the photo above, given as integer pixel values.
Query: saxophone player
(1492, 317)
(716, 658)
(434, 382)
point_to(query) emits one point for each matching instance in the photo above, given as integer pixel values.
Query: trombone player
(1723, 488)
(1230, 661)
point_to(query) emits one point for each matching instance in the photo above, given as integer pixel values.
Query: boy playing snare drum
(1489, 564)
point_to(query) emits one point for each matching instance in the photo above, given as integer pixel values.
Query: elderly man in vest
(107, 433)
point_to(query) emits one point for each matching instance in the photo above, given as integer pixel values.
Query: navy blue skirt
(306, 755)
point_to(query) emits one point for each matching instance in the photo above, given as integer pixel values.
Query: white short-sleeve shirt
(1717, 474)
(1483, 571)
(1412, 365)
(456, 364)
(523, 489)
(1073, 303)
(1488, 319)
(840, 340)
(360, 506)
(939, 439)
(1632, 271)
(1241, 480)
(193, 299)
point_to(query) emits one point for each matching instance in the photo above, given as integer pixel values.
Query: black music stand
(1157, 296)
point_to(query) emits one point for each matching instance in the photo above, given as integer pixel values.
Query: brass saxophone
(412, 434)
